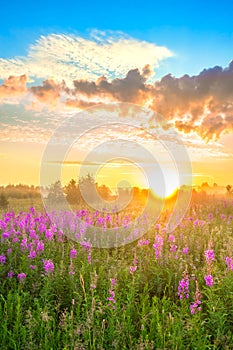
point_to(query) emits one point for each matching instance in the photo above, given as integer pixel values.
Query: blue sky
(200, 34)
(58, 58)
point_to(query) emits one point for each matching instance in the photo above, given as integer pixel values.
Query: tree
(87, 188)
(104, 192)
(205, 184)
(72, 192)
(3, 201)
(55, 195)
(229, 189)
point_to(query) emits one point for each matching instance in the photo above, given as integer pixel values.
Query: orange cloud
(49, 93)
(14, 86)
(132, 88)
(201, 103)
(81, 104)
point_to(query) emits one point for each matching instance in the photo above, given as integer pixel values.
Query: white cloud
(70, 57)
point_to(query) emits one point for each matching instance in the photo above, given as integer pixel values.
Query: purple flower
(171, 238)
(23, 244)
(32, 267)
(183, 287)
(89, 258)
(9, 250)
(185, 250)
(158, 246)
(111, 298)
(86, 245)
(48, 266)
(113, 282)
(2, 259)
(209, 280)
(10, 274)
(77, 235)
(6, 235)
(229, 263)
(143, 242)
(209, 254)
(195, 306)
(173, 248)
(202, 223)
(92, 286)
(40, 246)
(132, 269)
(32, 255)
(33, 234)
(49, 235)
(21, 277)
(73, 253)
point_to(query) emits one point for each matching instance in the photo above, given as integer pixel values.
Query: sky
(174, 58)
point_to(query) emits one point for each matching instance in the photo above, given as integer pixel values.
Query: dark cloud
(49, 92)
(132, 88)
(201, 103)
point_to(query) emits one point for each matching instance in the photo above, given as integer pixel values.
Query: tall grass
(150, 294)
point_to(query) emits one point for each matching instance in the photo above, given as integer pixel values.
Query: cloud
(82, 72)
(49, 93)
(132, 88)
(202, 103)
(13, 86)
(80, 104)
(69, 57)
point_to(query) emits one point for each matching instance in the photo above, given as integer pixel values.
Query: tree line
(86, 190)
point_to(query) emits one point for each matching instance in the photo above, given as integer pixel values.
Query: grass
(124, 298)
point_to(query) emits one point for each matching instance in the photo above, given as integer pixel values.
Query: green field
(164, 291)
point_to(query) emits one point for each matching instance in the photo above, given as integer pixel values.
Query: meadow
(163, 291)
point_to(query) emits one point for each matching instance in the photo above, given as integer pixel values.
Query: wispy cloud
(70, 57)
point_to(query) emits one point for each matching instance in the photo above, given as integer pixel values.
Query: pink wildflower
(209, 280)
(32, 255)
(185, 250)
(10, 274)
(158, 246)
(171, 238)
(21, 277)
(142, 242)
(183, 287)
(196, 305)
(48, 265)
(73, 253)
(2, 259)
(132, 269)
(229, 263)
(209, 254)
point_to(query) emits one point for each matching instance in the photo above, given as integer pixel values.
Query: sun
(166, 185)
